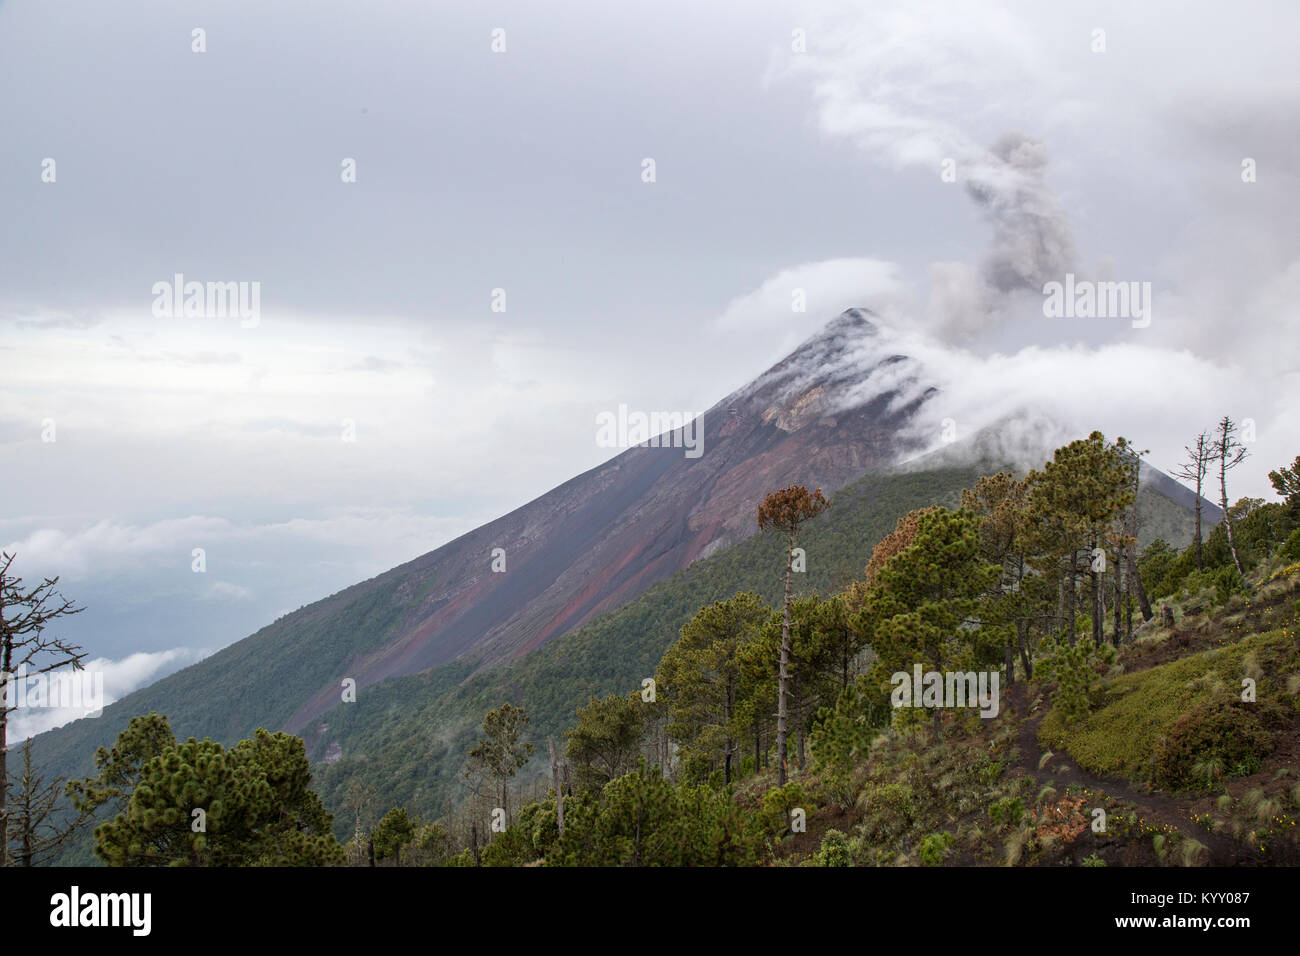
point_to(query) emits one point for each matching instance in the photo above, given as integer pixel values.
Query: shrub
(991, 773)
(841, 738)
(834, 849)
(528, 838)
(1193, 852)
(1164, 567)
(1290, 549)
(1228, 582)
(890, 810)
(934, 847)
(1007, 811)
(1286, 572)
(1074, 669)
(774, 816)
(696, 769)
(1224, 730)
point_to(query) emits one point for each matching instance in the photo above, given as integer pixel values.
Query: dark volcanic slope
(601, 538)
(829, 413)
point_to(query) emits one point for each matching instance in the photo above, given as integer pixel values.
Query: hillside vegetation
(964, 549)
(409, 735)
(1169, 741)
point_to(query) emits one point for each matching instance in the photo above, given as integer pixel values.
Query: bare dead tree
(26, 650)
(1229, 453)
(1194, 469)
(37, 828)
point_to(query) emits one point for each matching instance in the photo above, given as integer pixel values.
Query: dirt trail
(1153, 807)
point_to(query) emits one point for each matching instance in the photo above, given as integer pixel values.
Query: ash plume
(1032, 242)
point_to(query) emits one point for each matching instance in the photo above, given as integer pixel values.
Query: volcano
(840, 410)
(826, 414)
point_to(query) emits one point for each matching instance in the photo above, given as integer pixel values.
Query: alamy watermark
(1085, 299)
(626, 429)
(75, 908)
(71, 690)
(208, 300)
(946, 689)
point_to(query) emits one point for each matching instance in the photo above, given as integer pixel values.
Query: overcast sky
(795, 146)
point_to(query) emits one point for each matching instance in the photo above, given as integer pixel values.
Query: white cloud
(1155, 396)
(899, 82)
(119, 678)
(914, 84)
(392, 535)
(224, 590)
(820, 289)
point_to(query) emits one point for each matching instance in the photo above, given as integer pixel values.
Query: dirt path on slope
(1153, 807)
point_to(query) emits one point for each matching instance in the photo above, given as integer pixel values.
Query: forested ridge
(747, 711)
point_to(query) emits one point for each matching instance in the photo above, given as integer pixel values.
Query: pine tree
(1286, 482)
(198, 804)
(924, 600)
(1132, 574)
(144, 738)
(785, 512)
(1073, 503)
(700, 676)
(605, 742)
(822, 644)
(1123, 536)
(395, 831)
(500, 752)
(360, 799)
(1000, 501)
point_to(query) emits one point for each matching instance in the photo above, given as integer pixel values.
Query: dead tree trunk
(1136, 578)
(559, 792)
(1022, 631)
(1227, 518)
(1229, 453)
(783, 676)
(798, 718)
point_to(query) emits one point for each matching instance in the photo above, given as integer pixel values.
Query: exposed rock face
(601, 538)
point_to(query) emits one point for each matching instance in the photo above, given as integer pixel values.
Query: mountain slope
(601, 538)
(829, 413)
(832, 410)
(407, 737)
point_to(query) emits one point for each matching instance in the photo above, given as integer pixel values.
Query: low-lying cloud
(120, 677)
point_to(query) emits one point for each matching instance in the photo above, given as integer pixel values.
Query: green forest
(748, 711)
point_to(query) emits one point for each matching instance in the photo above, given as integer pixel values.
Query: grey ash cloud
(1032, 242)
